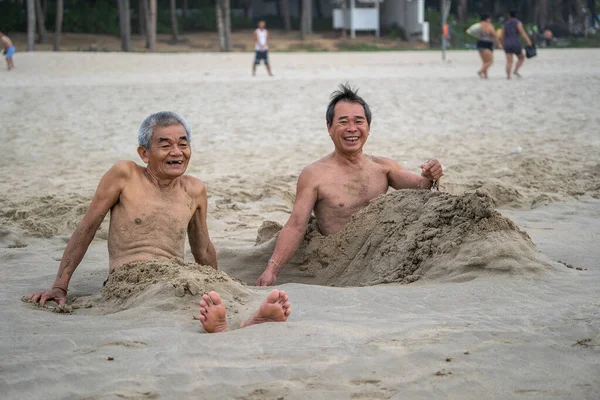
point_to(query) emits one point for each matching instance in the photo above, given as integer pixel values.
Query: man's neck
(160, 183)
(353, 159)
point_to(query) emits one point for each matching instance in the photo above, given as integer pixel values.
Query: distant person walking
(261, 36)
(485, 44)
(512, 33)
(9, 50)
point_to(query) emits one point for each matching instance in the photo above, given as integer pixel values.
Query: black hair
(485, 16)
(513, 13)
(346, 93)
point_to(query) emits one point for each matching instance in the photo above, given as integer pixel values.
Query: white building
(360, 15)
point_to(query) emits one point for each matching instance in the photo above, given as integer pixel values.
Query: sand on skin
(527, 335)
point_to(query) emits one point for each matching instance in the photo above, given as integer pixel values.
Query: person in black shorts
(485, 44)
(261, 36)
(512, 33)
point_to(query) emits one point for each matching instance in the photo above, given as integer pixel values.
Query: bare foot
(213, 313)
(480, 74)
(276, 308)
(518, 75)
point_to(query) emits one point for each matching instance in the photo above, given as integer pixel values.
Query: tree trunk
(319, 8)
(30, 25)
(227, 12)
(151, 24)
(462, 9)
(220, 24)
(223, 12)
(125, 25)
(344, 8)
(542, 14)
(39, 11)
(59, 22)
(142, 19)
(186, 9)
(284, 5)
(305, 19)
(173, 12)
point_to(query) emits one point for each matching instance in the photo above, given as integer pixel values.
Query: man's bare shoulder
(124, 169)
(315, 171)
(384, 162)
(193, 186)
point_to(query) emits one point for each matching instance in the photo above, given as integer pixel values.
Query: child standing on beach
(9, 50)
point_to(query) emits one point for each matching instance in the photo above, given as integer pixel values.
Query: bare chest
(151, 213)
(349, 193)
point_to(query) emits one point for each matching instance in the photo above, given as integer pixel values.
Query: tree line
(145, 14)
(543, 13)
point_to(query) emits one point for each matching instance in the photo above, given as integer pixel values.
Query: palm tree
(224, 24)
(285, 11)
(59, 22)
(306, 19)
(125, 25)
(173, 12)
(151, 24)
(41, 21)
(462, 9)
(30, 25)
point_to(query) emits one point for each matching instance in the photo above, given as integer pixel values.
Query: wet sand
(531, 145)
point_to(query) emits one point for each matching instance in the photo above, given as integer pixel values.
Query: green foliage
(13, 17)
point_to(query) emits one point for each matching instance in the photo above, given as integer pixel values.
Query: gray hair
(161, 118)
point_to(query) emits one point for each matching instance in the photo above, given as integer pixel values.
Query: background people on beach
(485, 44)
(151, 209)
(512, 33)
(8, 50)
(261, 47)
(340, 184)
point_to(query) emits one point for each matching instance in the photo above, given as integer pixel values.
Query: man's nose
(176, 151)
(351, 126)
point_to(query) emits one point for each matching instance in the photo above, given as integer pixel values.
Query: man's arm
(293, 231)
(523, 34)
(202, 248)
(400, 178)
(106, 197)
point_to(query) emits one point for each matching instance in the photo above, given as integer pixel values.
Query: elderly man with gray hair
(151, 209)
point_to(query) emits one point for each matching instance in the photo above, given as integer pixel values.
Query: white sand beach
(491, 313)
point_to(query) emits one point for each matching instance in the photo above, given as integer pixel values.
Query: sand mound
(47, 216)
(407, 235)
(173, 286)
(166, 285)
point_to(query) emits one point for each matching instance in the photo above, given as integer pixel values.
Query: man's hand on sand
(432, 170)
(268, 278)
(58, 295)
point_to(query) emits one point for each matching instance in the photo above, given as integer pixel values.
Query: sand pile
(407, 235)
(528, 181)
(47, 216)
(166, 285)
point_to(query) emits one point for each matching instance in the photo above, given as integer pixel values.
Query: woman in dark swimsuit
(513, 28)
(485, 45)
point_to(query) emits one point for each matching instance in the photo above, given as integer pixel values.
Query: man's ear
(143, 152)
(328, 128)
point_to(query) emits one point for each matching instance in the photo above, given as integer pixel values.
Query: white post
(377, 32)
(352, 31)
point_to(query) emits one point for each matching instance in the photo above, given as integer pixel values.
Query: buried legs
(276, 308)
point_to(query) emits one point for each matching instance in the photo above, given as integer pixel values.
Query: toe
(287, 312)
(287, 304)
(214, 296)
(206, 299)
(273, 296)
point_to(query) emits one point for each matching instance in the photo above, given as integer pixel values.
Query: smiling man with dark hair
(343, 182)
